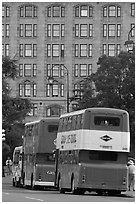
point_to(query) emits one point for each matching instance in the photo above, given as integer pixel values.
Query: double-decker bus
(92, 148)
(39, 160)
(17, 166)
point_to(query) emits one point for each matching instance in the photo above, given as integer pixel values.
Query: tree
(14, 109)
(115, 86)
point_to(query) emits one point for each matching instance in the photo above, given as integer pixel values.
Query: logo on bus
(106, 138)
(65, 139)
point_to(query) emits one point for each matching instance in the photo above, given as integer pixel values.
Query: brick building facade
(52, 39)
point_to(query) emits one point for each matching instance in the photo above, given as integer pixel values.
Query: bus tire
(73, 190)
(61, 190)
(32, 186)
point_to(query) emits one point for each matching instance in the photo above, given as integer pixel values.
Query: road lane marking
(34, 199)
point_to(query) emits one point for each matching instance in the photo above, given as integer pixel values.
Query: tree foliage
(115, 86)
(14, 109)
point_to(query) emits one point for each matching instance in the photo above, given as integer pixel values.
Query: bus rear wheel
(32, 185)
(61, 190)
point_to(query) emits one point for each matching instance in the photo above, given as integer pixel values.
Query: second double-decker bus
(92, 148)
(39, 160)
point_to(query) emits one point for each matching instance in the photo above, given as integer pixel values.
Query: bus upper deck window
(106, 121)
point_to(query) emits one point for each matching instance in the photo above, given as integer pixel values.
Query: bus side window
(73, 122)
(79, 120)
(65, 124)
(60, 125)
(69, 126)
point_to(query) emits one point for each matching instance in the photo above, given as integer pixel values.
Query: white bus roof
(37, 121)
(95, 109)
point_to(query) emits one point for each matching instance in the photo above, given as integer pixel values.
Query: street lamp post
(130, 43)
(51, 80)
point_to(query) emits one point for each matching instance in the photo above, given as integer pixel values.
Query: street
(12, 194)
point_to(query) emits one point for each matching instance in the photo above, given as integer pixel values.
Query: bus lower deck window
(103, 155)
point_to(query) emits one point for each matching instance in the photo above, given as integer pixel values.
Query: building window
(111, 30)
(2, 30)
(133, 9)
(84, 11)
(62, 90)
(55, 71)
(133, 30)
(49, 50)
(76, 50)
(35, 109)
(105, 30)
(21, 50)
(56, 11)
(53, 111)
(5, 11)
(83, 50)
(104, 49)
(111, 50)
(34, 50)
(56, 30)
(62, 50)
(118, 30)
(21, 30)
(28, 50)
(20, 90)
(28, 30)
(90, 69)
(90, 30)
(27, 90)
(111, 11)
(35, 30)
(83, 30)
(55, 90)
(55, 50)
(34, 70)
(83, 70)
(20, 70)
(76, 69)
(49, 30)
(118, 49)
(90, 50)
(49, 11)
(7, 30)
(34, 90)
(27, 70)
(62, 30)
(28, 11)
(76, 30)
(7, 50)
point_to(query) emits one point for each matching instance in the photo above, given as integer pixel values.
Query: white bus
(92, 148)
(17, 166)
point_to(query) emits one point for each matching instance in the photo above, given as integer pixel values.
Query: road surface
(12, 194)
